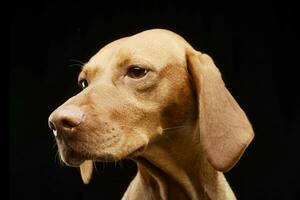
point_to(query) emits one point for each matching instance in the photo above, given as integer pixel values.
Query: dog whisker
(57, 155)
(120, 163)
(174, 127)
(102, 166)
(54, 144)
(78, 61)
(95, 167)
(58, 158)
(75, 65)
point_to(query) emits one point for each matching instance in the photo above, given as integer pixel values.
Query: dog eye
(136, 72)
(83, 83)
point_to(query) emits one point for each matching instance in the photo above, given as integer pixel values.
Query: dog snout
(65, 119)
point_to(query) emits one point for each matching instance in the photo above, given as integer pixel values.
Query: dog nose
(65, 119)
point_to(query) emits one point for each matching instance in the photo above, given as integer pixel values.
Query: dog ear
(225, 131)
(86, 171)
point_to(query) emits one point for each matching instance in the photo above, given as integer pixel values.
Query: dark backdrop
(255, 45)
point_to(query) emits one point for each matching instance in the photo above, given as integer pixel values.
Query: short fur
(179, 123)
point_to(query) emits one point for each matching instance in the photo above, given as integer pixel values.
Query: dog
(154, 99)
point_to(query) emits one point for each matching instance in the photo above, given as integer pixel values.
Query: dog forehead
(158, 47)
(154, 44)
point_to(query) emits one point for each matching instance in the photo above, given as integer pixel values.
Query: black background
(255, 45)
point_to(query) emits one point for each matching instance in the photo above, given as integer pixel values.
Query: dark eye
(137, 72)
(83, 83)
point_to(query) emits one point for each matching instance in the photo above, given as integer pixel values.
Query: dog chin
(115, 157)
(74, 158)
(71, 158)
(73, 162)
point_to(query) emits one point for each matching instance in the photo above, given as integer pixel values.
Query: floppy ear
(86, 171)
(225, 131)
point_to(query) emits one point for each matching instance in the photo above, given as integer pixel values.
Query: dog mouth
(74, 153)
(74, 158)
(136, 152)
(71, 157)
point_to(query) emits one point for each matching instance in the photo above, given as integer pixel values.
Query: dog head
(134, 89)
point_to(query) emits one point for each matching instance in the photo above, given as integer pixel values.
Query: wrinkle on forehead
(103, 56)
(156, 46)
(159, 46)
(89, 70)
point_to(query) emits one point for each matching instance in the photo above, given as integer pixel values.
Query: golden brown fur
(179, 123)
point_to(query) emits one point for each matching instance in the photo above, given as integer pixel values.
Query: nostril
(70, 122)
(52, 126)
(65, 118)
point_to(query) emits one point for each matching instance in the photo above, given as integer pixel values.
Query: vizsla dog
(156, 100)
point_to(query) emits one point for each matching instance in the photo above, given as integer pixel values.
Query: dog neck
(173, 167)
